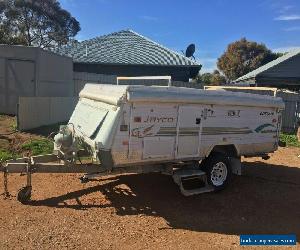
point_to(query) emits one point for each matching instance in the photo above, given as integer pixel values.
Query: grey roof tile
(124, 47)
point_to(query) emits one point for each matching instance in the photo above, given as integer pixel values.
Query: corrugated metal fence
(291, 114)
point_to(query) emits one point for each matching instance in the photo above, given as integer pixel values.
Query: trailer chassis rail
(184, 173)
(49, 164)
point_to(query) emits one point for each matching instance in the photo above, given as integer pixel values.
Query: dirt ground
(12, 140)
(148, 211)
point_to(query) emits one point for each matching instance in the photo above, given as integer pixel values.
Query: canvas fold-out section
(88, 117)
(110, 94)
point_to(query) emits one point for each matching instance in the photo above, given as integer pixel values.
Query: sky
(210, 25)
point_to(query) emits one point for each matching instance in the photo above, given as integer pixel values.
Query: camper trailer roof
(117, 94)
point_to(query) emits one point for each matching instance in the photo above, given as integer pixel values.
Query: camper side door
(189, 127)
(152, 131)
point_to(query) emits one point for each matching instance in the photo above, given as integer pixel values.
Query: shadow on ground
(46, 130)
(265, 200)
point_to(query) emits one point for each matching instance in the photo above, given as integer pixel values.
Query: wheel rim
(218, 174)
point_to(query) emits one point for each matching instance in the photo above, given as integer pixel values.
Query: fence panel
(187, 84)
(34, 112)
(289, 119)
(81, 78)
(251, 90)
(291, 113)
(149, 82)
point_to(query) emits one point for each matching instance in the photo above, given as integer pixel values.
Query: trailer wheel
(24, 194)
(218, 171)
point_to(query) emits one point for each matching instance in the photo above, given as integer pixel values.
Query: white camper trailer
(139, 125)
(188, 133)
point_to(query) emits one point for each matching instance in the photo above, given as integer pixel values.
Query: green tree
(244, 56)
(205, 78)
(41, 23)
(214, 78)
(217, 78)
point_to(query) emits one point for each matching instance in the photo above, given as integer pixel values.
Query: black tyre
(24, 194)
(218, 170)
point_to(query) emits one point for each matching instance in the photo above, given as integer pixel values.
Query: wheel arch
(227, 149)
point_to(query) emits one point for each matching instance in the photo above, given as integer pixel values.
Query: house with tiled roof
(127, 53)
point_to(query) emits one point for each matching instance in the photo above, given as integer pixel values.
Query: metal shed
(32, 71)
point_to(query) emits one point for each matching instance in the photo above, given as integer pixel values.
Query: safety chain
(5, 182)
